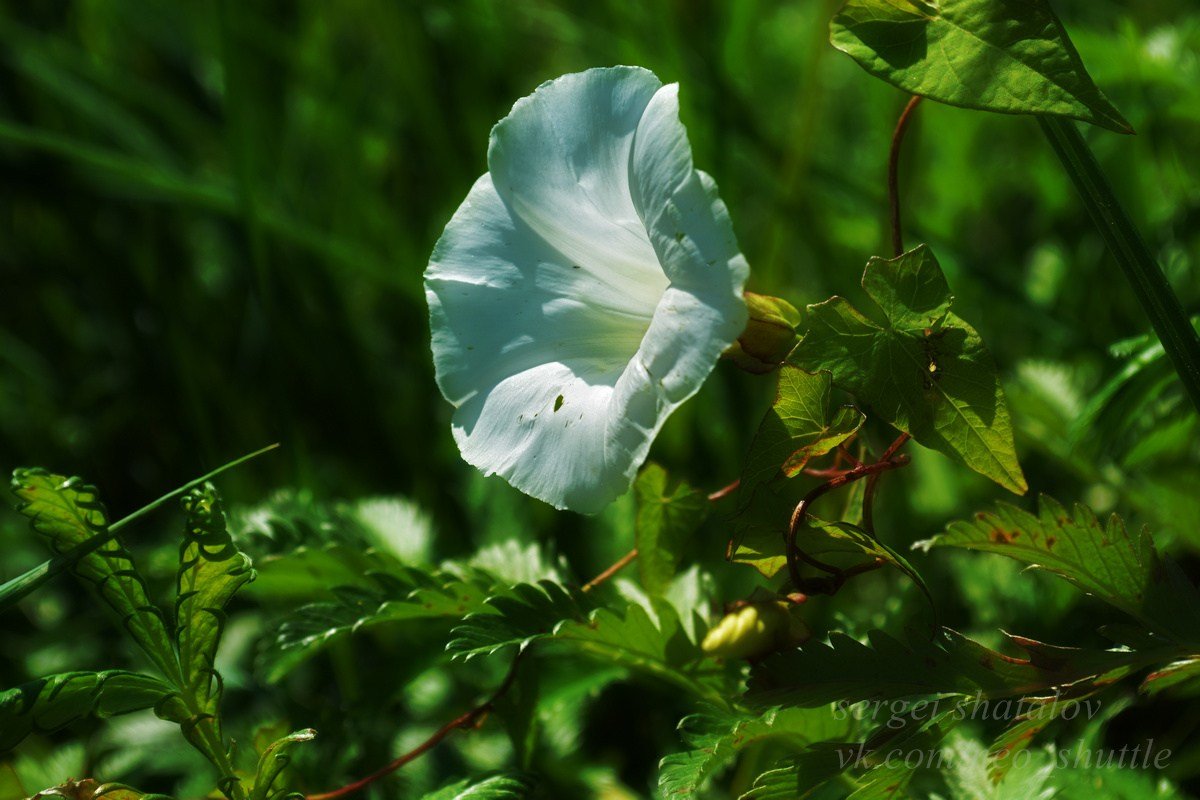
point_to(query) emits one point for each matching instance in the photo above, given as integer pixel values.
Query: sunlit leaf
(1013, 58)
(67, 512)
(1104, 560)
(274, 760)
(211, 570)
(495, 787)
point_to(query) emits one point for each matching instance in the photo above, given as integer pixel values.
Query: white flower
(584, 289)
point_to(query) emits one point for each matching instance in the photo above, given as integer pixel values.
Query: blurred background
(214, 218)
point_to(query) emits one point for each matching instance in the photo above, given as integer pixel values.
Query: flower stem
(893, 177)
(1150, 285)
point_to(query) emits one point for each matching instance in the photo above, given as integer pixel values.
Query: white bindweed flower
(584, 289)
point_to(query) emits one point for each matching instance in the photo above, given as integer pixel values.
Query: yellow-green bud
(769, 335)
(754, 630)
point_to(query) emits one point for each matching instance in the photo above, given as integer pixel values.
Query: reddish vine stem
(621, 563)
(868, 507)
(466, 720)
(893, 179)
(795, 555)
(725, 491)
(470, 718)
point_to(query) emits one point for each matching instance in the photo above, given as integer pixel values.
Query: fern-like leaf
(211, 570)
(67, 512)
(54, 702)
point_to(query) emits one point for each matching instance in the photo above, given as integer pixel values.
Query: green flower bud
(754, 630)
(769, 335)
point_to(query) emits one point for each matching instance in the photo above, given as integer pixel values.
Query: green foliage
(495, 787)
(976, 54)
(1106, 561)
(399, 595)
(646, 636)
(237, 144)
(922, 368)
(273, 761)
(49, 704)
(211, 571)
(714, 739)
(667, 514)
(67, 512)
(886, 668)
(800, 426)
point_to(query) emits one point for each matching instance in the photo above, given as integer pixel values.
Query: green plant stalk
(13, 591)
(1150, 285)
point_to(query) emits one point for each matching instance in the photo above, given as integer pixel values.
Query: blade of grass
(1150, 285)
(15, 590)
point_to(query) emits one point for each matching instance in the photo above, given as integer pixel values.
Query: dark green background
(214, 218)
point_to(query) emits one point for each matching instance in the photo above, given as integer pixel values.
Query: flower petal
(583, 290)
(560, 160)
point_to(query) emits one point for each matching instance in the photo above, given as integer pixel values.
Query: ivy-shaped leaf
(799, 426)
(839, 544)
(667, 513)
(1103, 560)
(54, 702)
(921, 367)
(211, 570)
(1011, 57)
(886, 668)
(68, 512)
(274, 760)
(715, 738)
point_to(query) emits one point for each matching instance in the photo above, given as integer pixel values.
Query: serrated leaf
(1106, 561)
(397, 596)
(1035, 714)
(1014, 58)
(1181, 678)
(91, 789)
(969, 778)
(517, 618)
(667, 513)
(274, 760)
(798, 777)
(649, 639)
(211, 570)
(495, 787)
(68, 512)
(921, 368)
(54, 702)
(886, 668)
(715, 738)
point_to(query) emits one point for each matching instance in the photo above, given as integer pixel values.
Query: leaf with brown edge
(886, 668)
(1105, 560)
